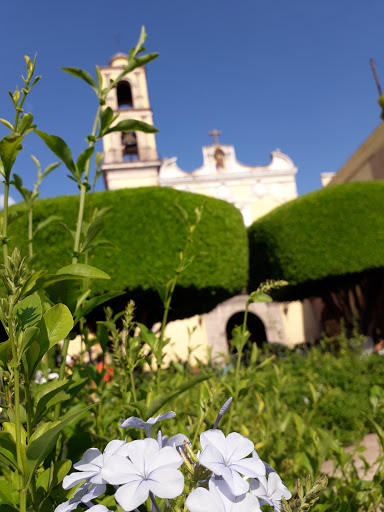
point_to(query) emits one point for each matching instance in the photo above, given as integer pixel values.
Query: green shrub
(328, 237)
(147, 232)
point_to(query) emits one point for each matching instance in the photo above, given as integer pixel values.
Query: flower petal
(259, 488)
(165, 416)
(75, 478)
(132, 495)
(132, 422)
(277, 488)
(113, 447)
(118, 470)
(238, 446)
(236, 484)
(166, 483)
(212, 459)
(201, 500)
(142, 452)
(249, 504)
(67, 506)
(176, 441)
(98, 508)
(91, 458)
(250, 467)
(94, 491)
(215, 438)
(166, 458)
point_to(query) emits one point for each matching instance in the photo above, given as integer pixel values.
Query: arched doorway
(256, 328)
(124, 95)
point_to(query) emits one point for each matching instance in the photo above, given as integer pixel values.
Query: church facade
(131, 160)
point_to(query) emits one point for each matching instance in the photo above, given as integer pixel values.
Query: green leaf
(149, 337)
(50, 168)
(14, 215)
(7, 124)
(139, 46)
(11, 429)
(44, 223)
(25, 122)
(93, 302)
(59, 470)
(84, 75)
(158, 403)
(17, 181)
(60, 148)
(28, 311)
(40, 447)
(130, 125)
(83, 159)
(10, 146)
(5, 353)
(55, 325)
(99, 79)
(37, 163)
(58, 323)
(84, 271)
(6, 491)
(106, 118)
(31, 356)
(46, 393)
(99, 159)
(8, 450)
(27, 338)
(143, 60)
(259, 297)
(31, 286)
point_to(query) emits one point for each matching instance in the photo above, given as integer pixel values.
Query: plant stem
(237, 369)
(79, 224)
(63, 363)
(18, 426)
(5, 223)
(153, 499)
(30, 232)
(83, 193)
(133, 385)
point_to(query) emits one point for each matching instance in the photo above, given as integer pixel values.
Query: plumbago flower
(90, 466)
(150, 471)
(149, 468)
(270, 491)
(227, 457)
(220, 499)
(83, 494)
(134, 422)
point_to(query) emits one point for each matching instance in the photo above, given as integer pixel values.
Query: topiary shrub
(147, 232)
(329, 240)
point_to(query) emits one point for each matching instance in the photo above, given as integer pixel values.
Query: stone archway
(255, 327)
(216, 321)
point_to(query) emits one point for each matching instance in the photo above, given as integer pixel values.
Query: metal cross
(215, 134)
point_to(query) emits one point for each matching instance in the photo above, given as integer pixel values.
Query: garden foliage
(318, 237)
(327, 244)
(143, 231)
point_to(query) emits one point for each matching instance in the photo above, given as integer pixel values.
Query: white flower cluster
(235, 478)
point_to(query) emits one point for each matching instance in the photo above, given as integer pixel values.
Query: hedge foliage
(147, 233)
(321, 238)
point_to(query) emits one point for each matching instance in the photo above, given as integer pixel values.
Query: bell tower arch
(130, 159)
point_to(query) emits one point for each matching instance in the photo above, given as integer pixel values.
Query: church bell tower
(130, 159)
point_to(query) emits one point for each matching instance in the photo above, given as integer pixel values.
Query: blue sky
(288, 74)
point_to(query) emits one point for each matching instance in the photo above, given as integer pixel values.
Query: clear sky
(287, 74)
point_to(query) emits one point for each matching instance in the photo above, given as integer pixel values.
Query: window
(124, 95)
(130, 150)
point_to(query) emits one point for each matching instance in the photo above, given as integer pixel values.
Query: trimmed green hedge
(148, 232)
(324, 237)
